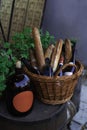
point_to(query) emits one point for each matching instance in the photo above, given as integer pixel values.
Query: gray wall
(68, 19)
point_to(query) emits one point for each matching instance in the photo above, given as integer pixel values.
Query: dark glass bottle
(73, 51)
(19, 95)
(32, 69)
(61, 61)
(47, 69)
(73, 58)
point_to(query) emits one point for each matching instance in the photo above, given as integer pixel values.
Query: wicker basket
(55, 90)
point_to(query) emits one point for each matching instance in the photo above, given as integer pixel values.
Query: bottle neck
(61, 64)
(18, 71)
(47, 69)
(61, 61)
(73, 52)
(47, 61)
(19, 75)
(29, 67)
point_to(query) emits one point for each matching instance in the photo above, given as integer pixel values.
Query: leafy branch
(6, 65)
(23, 42)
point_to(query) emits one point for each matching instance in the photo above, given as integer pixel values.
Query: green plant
(23, 41)
(6, 65)
(46, 39)
(11, 52)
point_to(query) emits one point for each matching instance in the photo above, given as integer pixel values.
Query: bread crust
(56, 54)
(38, 48)
(68, 50)
(49, 51)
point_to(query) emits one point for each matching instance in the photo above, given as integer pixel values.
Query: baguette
(49, 50)
(38, 48)
(68, 50)
(56, 54)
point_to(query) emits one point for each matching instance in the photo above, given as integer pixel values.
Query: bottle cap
(68, 73)
(18, 64)
(71, 63)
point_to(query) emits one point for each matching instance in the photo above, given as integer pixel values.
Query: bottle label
(68, 73)
(22, 83)
(23, 101)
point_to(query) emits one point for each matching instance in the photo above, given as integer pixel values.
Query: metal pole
(3, 34)
(10, 22)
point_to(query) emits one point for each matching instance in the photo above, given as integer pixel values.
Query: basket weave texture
(27, 13)
(55, 90)
(5, 10)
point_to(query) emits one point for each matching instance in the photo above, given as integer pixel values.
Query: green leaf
(2, 86)
(73, 41)
(6, 45)
(9, 52)
(2, 78)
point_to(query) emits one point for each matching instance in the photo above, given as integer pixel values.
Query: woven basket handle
(64, 66)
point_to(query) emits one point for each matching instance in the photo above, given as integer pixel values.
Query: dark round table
(42, 117)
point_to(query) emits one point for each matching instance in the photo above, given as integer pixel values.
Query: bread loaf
(68, 50)
(38, 48)
(49, 50)
(56, 54)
